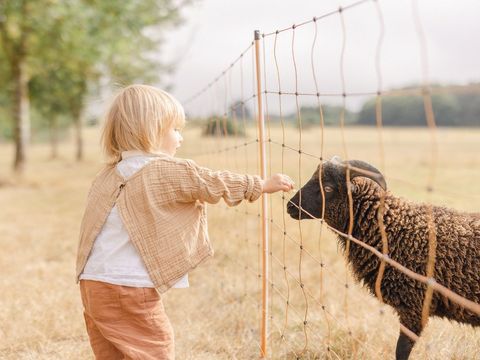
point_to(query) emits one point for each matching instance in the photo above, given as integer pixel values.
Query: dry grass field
(218, 316)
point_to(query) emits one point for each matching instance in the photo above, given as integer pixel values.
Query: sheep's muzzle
(294, 209)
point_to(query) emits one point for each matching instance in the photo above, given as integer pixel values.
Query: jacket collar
(132, 153)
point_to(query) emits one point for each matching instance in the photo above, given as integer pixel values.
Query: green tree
(5, 123)
(310, 115)
(223, 126)
(469, 108)
(120, 40)
(20, 22)
(239, 111)
(49, 91)
(64, 47)
(409, 111)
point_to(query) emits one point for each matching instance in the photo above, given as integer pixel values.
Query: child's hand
(276, 183)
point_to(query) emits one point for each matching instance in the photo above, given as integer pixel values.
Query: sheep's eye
(328, 188)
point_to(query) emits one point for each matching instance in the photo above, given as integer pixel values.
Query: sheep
(406, 225)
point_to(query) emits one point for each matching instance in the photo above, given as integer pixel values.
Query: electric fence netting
(270, 111)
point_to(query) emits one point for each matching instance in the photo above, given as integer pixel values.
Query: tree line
(452, 106)
(56, 53)
(460, 107)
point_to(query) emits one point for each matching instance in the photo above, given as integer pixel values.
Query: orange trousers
(126, 322)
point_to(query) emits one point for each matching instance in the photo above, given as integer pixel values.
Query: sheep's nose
(291, 208)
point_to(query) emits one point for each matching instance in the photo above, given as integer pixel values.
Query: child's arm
(210, 186)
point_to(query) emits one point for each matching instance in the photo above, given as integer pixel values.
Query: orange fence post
(265, 228)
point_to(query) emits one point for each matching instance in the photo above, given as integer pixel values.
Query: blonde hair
(137, 119)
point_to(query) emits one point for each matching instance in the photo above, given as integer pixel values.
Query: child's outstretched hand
(276, 183)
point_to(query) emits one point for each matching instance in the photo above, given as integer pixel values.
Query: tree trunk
(77, 118)
(21, 116)
(54, 137)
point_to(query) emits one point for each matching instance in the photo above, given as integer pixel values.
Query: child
(145, 226)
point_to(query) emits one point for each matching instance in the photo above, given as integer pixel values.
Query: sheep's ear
(363, 169)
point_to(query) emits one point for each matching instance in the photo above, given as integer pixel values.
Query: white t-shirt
(113, 258)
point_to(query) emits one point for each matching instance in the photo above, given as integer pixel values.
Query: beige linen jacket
(162, 208)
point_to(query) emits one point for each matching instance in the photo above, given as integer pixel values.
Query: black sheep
(406, 225)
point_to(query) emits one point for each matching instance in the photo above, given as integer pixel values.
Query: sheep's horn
(337, 160)
(363, 169)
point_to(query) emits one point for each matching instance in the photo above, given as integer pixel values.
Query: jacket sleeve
(211, 186)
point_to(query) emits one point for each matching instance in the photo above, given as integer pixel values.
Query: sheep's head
(308, 202)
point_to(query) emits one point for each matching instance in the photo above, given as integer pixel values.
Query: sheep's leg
(412, 321)
(404, 347)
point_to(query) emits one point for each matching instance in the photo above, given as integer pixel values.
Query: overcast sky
(217, 31)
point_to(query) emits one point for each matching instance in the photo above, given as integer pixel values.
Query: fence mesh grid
(307, 311)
